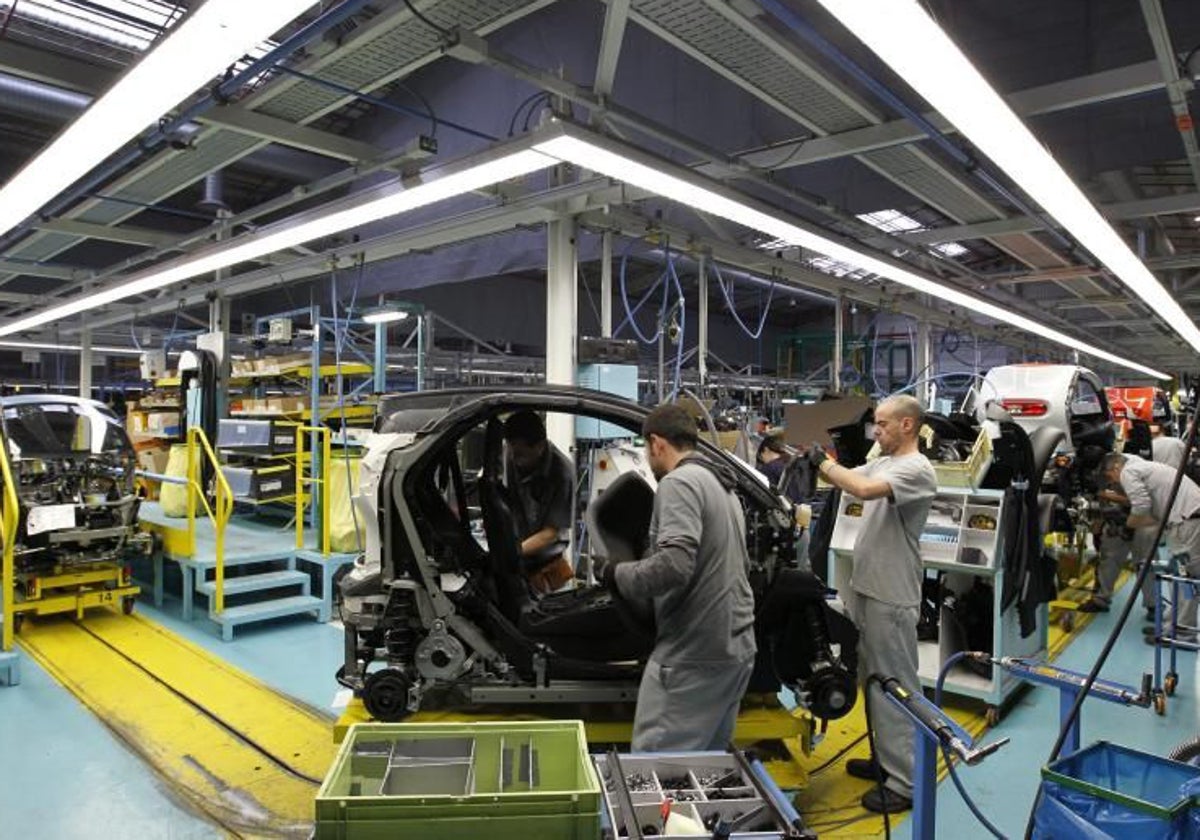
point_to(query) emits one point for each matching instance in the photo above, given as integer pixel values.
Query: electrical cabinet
(963, 545)
(612, 379)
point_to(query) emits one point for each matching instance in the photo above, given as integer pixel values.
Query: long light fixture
(212, 38)
(922, 54)
(554, 144)
(636, 169)
(67, 348)
(291, 232)
(385, 313)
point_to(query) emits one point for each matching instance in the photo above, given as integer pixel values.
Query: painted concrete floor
(66, 776)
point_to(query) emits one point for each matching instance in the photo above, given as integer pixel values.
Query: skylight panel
(893, 221)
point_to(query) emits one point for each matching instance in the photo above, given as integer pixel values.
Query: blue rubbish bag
(1107, 792)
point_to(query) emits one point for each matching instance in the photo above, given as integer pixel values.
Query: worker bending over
(1147, 485)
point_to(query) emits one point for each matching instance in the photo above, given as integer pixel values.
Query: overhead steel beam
(514, 213)
(611, 37)
(54, 272)
(1106, 86)
(59, 70)
(264, 127)
(127, 235)
(1120, 211)
(1177, 88)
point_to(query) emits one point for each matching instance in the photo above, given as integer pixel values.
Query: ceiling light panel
(289, 233)
(196, 51)
(921, 53)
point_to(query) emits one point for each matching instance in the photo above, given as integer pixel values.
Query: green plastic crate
(461, 781)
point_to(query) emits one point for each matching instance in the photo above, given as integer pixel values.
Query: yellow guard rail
(197, 444)
(9, 517)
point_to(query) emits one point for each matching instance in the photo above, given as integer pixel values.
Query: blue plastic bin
(1108, 792)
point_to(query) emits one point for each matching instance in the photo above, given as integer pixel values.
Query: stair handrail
(9, 519)
(302, 480)
(219, 512)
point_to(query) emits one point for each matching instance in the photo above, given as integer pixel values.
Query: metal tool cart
(963, 539)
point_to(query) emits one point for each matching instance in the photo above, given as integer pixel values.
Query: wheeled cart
(102, 584)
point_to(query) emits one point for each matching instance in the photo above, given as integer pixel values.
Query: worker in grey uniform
(696, 574)
(1147, 485)
(1115, 547)
(897, 490)
(1164, 448)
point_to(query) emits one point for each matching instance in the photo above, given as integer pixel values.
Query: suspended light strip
(921, 53)
(67, 348)
(291, 232)
(691, 191)
(199, 49)
(557, 143)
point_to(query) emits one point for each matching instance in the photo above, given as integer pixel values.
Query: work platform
(253, 549)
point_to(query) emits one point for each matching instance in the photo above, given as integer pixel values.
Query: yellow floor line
(218, 773)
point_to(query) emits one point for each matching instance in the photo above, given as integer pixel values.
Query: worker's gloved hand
(605, 570)
(817, 455)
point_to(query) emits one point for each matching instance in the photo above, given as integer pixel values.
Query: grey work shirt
(543, 497)
(1147, 485)
(887, 552)
(1167, 450)
(696, 572)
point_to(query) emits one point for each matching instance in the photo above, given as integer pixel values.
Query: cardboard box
(163, 422)
(808, 423)
(286, 405)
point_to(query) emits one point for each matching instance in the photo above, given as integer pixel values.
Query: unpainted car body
(74, 469)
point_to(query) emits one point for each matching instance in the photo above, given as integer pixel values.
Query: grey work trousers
(1112, 555)
(691, 706)
(1184, 538)
(887, 646)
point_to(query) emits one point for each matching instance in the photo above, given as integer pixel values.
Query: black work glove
(817, 455)
(605, 570)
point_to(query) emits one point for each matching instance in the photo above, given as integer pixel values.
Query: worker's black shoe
(865, 768)
(888, 800)
(1091, 605)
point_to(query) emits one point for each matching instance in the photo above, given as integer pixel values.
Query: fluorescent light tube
(288, 233)
(211, 39)
(921, 53)
(67, 348)
(384, 316)
(691, 193)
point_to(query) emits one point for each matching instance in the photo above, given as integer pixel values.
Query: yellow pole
(326, 495)
(299, 489)
(10, 517)
(193, 483)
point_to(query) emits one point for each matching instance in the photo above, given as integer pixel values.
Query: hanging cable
(629, 314)
(441, 30)
(725, 293)
(680, 304)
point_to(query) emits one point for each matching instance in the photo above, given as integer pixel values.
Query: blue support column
(925, 749)
(380, 364)
(1066, 699)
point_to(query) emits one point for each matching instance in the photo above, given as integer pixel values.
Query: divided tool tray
(460, 781)
(702, 786)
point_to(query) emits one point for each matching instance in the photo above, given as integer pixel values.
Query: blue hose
(950, 662)
(757, 332)
(629, 314)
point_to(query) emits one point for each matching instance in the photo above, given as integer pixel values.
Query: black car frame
(437, 612)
